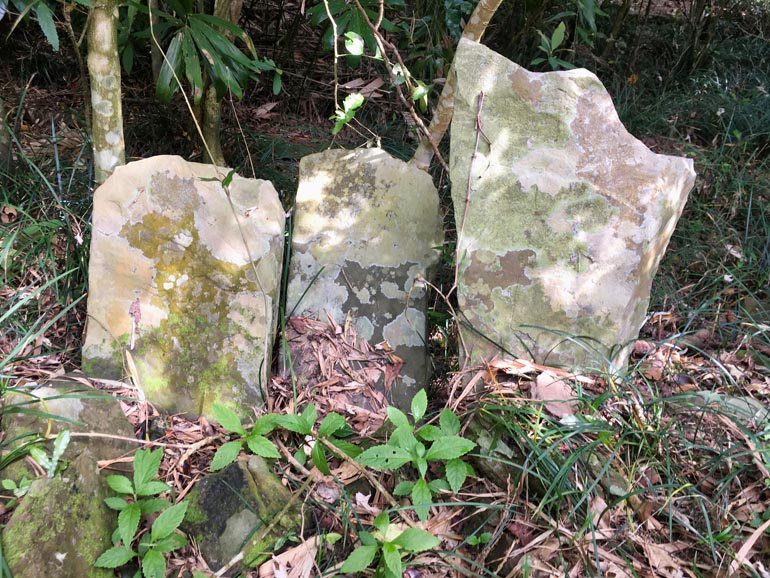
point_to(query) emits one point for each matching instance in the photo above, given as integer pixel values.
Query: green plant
(551, 47)
(136, 499)
(407, 445)
(386, 547)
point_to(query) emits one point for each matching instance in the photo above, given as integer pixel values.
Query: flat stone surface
(183, 284)
(367, 230)
(562, 215)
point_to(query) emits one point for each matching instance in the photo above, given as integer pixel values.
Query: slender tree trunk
(157, 57)
(212, 106)
(106, 108)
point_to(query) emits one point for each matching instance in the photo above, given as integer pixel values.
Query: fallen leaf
(556, 393)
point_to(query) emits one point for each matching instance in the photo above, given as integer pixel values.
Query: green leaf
(359, 560)
(421, 499)
(153, 488)
(120, 484)
(128, 523)
(310, 415)
(153, 505)
(419, 405)
(403, 437)
(381, 522)
(385, 457)
(9, 484)
(225, 455)
(429, 433)
(558, 36)
(331, 424)
(318, 455)
(39, 455)
(367, 539)
(456, 472)
(59, 445)
(392, 558)
(227, 418)
(403, 488)
(192, 68)
(153, 564)
(450, 423)
(265, 424)
(115, 557)
(354, 43)
(350, 449)
(115, 503)
(146, 466)
(168, 521)
(448, 448)
(277, 82)
(416, 540)
(398, 418)
(47, 24)
(173, 542)
(261, 446)
(296, 423)
(166, 85)
(420, 90)
(438, 485)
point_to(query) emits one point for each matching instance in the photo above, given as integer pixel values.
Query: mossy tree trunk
(106, 108)
(212, 104)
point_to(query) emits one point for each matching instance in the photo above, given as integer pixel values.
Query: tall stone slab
(367, 230)
(562, 215)
(183, 284)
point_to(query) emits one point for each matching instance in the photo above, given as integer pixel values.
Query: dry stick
(474, 30)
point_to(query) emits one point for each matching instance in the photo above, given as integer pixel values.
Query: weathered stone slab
(567, 218)
(367, 229)
(183, 284)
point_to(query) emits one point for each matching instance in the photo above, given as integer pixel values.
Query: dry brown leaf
(556, 393)
(296, 562)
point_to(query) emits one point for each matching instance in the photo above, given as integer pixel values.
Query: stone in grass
(562, 215)
(183, 284)
(230, 511)
(367, 232)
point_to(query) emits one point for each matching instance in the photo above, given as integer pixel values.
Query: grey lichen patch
(568, 217)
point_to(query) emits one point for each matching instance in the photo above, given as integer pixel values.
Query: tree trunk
(106, 108)
(157, 57)
(212, 106)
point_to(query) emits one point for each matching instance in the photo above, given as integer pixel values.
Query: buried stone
(562, 215)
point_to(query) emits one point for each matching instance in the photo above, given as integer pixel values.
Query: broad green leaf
(419, 405)
(173, 542)
(354, 43)
(449, 422)
(115, 503)
(261, 446)
(166, 85)
(331, 424)
(558, 36)
(225, 455)
(416, 540)
(228, 419)
(146, 465)
(350, 449)
(128, 523)
(168, 521)
(367, 539)
(310, 415)
(120, 484)
(59, 445)
(115, 557)
(448, 448)
(152, 488)
(403, 437)
(318, 455)
(392, 558)
(192, 68)
(127, 58)
(295, 423)
(421, 499)
(397, 417)
(265, 424)
(359, 560)
(9, 484)
(420, 90)
(438, 485)
(421, 463)
(381, 522)
(277, 82)
(39, 455)
(228, 180)
(153, 564)
(456, 472)
(47, 24)
(153, 505)
(403, 488)
(384, 457)
(429, 433)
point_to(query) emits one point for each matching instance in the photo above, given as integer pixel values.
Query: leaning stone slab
(562, 215)
(244, 509)
(367, 231)
(183, 284)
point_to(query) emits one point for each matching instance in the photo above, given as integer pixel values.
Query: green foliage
(419, 447)
(386, 548)
(348, 19)
(44, 14)
(551, 47)
(135, 500)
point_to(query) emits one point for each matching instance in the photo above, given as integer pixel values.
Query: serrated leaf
(318, 455)
(228, 419)
(265, 424)
(120, 484)
(448, 448)
(153, 564)
(153, 488)
(153, 505)
(398, 418)
(295, 423)
(429, 433)
(403, 437)
(367, 539)
(354, 43)
(416, 540)
(225, 455)
(359, 560)
(146, 465)
(128, 523)
(115, 503)
(419, 405)
(47, 24)
(173, 542)
(421, 499)
(403, 488)
(310, 415)
(438, 485)
(331, 424)
(261, 446)
(115, 557)
(392, 558)
(381, 522)
(385, 457)
(350, 449)
(456, 472)
(449, 422)
(168, 521)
